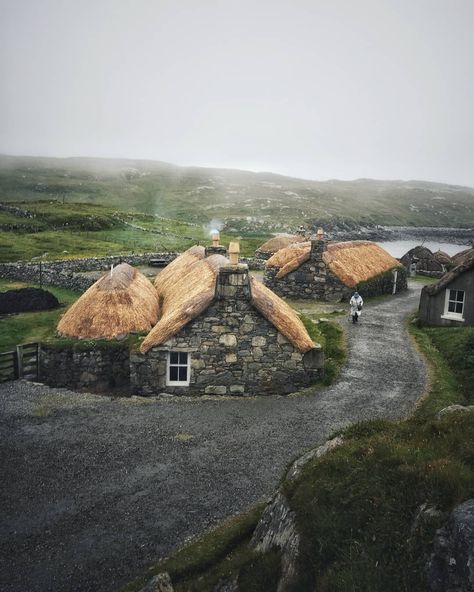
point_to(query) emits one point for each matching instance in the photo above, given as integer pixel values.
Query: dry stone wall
(65, 273)
(94, 367)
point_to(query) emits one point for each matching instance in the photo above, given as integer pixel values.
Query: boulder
(451, 566)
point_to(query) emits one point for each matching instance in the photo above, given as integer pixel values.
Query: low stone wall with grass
(64, 273)
(89, 366)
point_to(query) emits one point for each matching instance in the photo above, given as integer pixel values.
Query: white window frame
(454, 316)
(170, 382)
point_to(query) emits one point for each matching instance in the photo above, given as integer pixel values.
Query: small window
(454, 304)
(178, 368)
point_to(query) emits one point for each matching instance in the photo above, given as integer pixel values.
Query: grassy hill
(245, 201)
(54, 230)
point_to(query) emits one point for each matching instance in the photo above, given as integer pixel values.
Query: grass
(88, 230)
(331, 337)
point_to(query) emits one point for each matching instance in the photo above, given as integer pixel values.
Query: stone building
(210, 329)
(223, 332)
(321, 270)
(420, 260)
(450, 301)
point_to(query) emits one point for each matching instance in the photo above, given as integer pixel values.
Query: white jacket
(355, 303)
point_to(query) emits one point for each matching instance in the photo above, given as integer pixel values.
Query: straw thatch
(179, 266)
(459, 258)
(442, 257)
(352, 261)
(280, 242)
(183, 294)
(466, 265)
(281, 315)
(120, 302)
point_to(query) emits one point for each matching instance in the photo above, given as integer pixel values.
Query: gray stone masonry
(64, 273)
(314, 280)
(99, 368)
(215, 250)
(234, 350)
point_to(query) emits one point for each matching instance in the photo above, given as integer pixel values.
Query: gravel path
(94, 489)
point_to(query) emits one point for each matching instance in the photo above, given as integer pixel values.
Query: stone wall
(64, 273)
(95, 368)
(234, 350)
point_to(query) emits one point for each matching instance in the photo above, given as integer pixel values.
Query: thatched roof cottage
(320, 270)
(281, 241)
(450, 301)
(211, 328)
(222, 332)
(423, 261)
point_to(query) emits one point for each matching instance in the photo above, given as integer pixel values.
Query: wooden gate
(24, 362)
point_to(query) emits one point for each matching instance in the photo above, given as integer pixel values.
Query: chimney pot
(234, 250)
(215, 239)
(320, 234)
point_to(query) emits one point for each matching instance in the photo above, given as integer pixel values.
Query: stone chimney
(318, 246)
(233, 283)
(215, 248)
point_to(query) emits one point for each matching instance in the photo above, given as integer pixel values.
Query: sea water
(398, 248)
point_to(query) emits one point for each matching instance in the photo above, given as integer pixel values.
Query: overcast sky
(313, 88)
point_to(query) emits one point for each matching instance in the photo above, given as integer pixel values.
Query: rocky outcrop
(454, 409)
(451, 566)
(277, 527)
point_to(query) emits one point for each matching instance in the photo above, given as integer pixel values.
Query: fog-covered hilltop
(246, 201)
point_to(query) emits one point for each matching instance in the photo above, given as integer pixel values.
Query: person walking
(356, 304)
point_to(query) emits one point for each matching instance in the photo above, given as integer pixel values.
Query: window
(454, 304)
(178, 368)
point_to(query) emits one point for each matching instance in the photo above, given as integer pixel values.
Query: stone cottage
(321, 270)
(222, 332)
(450, 301)
(211, 328)
(420, 260)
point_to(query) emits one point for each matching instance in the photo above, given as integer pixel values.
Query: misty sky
(313, 88)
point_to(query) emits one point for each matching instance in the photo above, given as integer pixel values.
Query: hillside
(245, 201)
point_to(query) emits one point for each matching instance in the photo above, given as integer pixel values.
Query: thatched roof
(191, 289)
(459, 258)
(120, 302)
(352, 261)
(442, 257)
(281, 315)
(179, 266)
(280, 242)
(443, 282)
(184, 293)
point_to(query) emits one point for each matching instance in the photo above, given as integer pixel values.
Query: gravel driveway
(94, 489)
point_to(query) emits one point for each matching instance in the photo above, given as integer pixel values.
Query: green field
(83, 230)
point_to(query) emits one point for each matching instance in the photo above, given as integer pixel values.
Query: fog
(313, 88)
